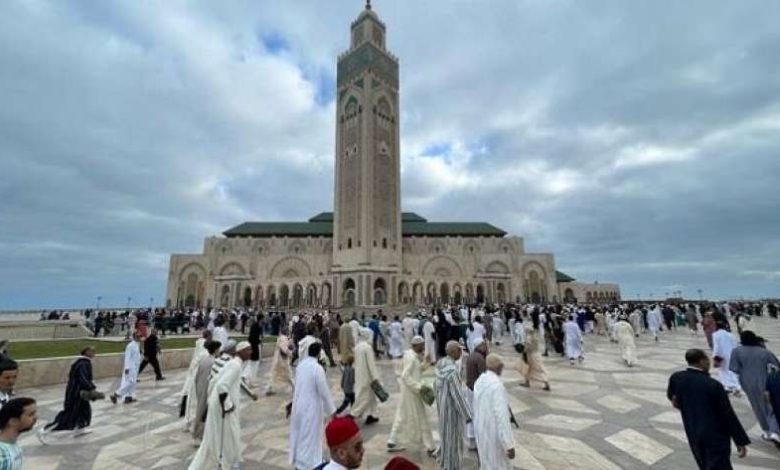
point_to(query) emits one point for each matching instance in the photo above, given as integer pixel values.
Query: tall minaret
(367, 219)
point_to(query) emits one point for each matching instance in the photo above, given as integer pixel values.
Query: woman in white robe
(312, 401)
(625, 335)
(396, 339)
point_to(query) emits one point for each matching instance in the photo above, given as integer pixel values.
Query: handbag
(91, 395)
(427, 395)
(520, 348)
(379, 391)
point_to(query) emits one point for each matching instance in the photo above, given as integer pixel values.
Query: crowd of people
(444, 360)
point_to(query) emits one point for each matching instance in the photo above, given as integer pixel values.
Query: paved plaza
(600, 415)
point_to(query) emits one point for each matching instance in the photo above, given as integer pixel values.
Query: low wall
(52, 371)
(55, 329)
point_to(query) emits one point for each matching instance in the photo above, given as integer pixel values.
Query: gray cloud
(636, 141)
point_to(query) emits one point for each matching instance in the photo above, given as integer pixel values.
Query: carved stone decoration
(288, 267)
(497, 267)
(385, 177)
(442, 264)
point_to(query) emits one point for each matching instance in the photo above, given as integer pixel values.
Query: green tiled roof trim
(563, 277)
(321, 225)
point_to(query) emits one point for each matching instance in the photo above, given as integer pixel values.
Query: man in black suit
(709, 420)
(151, 350)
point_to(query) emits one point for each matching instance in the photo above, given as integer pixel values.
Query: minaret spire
(368, 4)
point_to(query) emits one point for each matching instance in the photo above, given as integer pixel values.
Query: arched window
(349, 243)
(384, 243)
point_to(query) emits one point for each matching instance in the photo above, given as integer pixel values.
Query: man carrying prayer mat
(221, 445)
(411, 420)
(366, 374)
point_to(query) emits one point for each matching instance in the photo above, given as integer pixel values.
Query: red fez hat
(340, 429)
(400, 463)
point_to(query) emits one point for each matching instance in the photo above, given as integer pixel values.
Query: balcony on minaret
(368, 28)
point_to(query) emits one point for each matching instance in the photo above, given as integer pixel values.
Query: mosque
(367, 252)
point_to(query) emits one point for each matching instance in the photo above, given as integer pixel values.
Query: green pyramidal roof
(321, 225)
(563, 277)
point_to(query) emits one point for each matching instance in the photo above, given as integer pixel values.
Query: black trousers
(155, 365)
(349, 400)
(711, 456)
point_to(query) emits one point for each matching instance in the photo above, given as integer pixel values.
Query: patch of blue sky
(274, 42)
(325, 88)
(324, 83)
(438, 149)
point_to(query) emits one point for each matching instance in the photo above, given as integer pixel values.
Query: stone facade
(588, 292)
(366, 253)
(297, 271)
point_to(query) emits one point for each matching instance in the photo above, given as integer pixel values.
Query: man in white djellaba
(396, 339)
(129, 380)
(430, 342)
(221, 445)
(220, 333)
(189, 399)
(408, 330)
(572, 342)
(411, 420)
(312, 402)
(625, 335)
(723, 342)
(365, 374)
(495, 441)
(654, 321)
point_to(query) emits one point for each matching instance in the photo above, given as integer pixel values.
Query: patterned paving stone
(639, 446)
(617, 403)
(570, 423)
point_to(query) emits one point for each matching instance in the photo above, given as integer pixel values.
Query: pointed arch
(442, 266)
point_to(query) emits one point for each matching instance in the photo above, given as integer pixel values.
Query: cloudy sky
(638, 141)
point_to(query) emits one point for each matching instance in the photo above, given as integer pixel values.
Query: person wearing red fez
(345, 444)
(401, 463)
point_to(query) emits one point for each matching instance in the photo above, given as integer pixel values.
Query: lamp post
(151, 303)
(701, 299)
(129, 299)
(97, 305)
